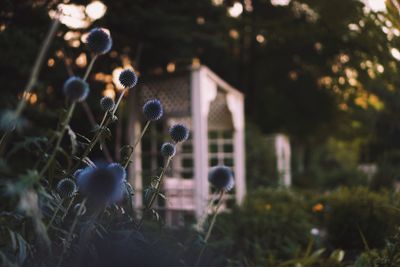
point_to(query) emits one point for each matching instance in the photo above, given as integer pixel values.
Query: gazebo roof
(174, 91)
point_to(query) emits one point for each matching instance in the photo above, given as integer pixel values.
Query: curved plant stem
(203, 217)
(208, 234)
(64, 126)
(154, 196)
(103, 120)
(93, 123)
(119, 101)
(68, 207)
(4, 139)
(136, 143)
(89, 68)
(33, 76)
(106, 120)
(71, 231)
(54, 214)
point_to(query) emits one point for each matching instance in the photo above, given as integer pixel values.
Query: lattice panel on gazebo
(174, 94)
(219, 117)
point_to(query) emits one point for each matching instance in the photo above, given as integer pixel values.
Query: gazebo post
(203, 91)
(134, 130)
(236, 106)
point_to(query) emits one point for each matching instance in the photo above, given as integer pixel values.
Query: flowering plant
(78, 208)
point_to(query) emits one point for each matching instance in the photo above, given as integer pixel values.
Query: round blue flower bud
(221, 177)
(99, 41)
(107, 103)
(103, 184)
(168, 150)
(118, 170)
(76, 89)
(128, 78)
(153, 110)
(66, 188)
(179, 133)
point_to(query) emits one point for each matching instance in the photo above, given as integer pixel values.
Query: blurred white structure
(214, 112)
(283, 154)
(280, 145)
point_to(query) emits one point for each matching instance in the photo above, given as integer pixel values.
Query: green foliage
(272, 224)
(260, 160)
(332, 164)
(388, 170)
(315, 259)
(356, 218)
(389, 256)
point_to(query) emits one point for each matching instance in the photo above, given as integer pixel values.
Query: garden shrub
(356, 213)
(271, 223)
(388, 171)
(260, 160)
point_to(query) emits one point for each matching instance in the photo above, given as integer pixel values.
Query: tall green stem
(89, 68)
(68, 207)
(33, 77)
(154, 196)
(118, 101)
(136, 143)
(55, 214)
(208, 234)
(71, 231)
(64, 126)
(106, 120)
(203, 217)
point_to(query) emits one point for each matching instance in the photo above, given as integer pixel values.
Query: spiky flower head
(153, 110)
(118, 169)
(107, 103)
(179, 133)
(76, 89)
(221, 177)
(66, 188)
(168, 150)
(103, 184)
(128, 78)
(99, 41)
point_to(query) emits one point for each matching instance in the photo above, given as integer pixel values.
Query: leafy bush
(270, 224)
(260, 160)
(356, 214)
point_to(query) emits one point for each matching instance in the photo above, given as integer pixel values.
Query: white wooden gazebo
(214, 112)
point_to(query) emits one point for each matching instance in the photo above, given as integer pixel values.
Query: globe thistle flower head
(179, 133)
(168, 150)
(66, 188)
(153, 110)
(221, 177)
(103, 184)
(99, 41)
(107, 103)
(76, 89)
(117, 169)
(128, 78)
